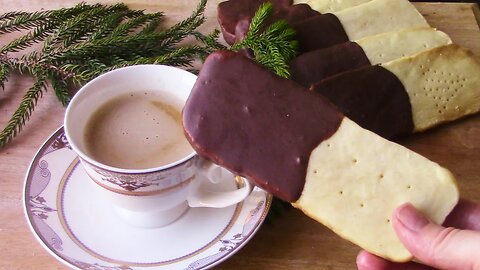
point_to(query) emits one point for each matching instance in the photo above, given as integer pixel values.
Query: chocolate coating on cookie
(319, 32)
(234, 16)
(256, 124)
(373, 97)
(317, 65)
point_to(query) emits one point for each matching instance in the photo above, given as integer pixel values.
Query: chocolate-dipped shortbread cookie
(322, 31)
(298, 146)
(314, 66)
(409, 94)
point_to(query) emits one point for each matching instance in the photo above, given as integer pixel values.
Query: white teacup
(150, 197)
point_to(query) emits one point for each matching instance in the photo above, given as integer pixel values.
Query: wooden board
(292, 240)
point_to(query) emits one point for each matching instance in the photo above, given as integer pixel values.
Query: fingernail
(410, 218)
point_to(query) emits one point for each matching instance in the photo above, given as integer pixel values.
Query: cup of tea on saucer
(126, 128)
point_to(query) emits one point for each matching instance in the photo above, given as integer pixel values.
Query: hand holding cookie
(448, 247)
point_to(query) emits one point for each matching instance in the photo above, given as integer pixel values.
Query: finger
(444, 248)
(367, 261)
(466, 215)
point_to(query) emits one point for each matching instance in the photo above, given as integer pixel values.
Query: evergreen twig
(274, 47)
(24, 111)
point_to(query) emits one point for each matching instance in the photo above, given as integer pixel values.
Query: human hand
(454, 247)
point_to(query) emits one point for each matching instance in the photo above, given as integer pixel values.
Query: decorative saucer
(80, 229)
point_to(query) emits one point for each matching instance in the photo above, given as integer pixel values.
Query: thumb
(434, 245)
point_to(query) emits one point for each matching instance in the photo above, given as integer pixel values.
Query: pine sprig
(84, 41)
(274, 47)
(24, 111)
(23, 21)
(39, 34)
(129, 26)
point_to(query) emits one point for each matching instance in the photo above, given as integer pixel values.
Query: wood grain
(292, 241)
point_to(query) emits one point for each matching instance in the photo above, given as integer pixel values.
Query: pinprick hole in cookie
(315, 171)
(362, 205)
(388, 220)
(381, 176)
(354, 160)
(409, 187)
(328, 145)
(341, 192)
(425, 45)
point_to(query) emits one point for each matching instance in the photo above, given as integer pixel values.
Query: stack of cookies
(368, 71)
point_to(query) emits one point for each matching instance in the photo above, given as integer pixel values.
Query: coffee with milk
(138, 130)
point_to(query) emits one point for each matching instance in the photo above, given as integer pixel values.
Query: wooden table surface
(292, 240)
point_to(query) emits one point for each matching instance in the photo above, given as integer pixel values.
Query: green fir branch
(24, 21)
(129, 26)
(273, 48)
(11, 15)
(152, 26)
(24, 111)
(259, 19)
(40, 33)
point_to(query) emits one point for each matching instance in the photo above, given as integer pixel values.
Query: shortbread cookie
(443, 84)
(409, 94)
(389, 46)
(313, 66)
(355, 180)
(328, 6)
(372, 18)
(298, 146)
(380, 16)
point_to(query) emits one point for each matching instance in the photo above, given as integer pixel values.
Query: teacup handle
(216, 199)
